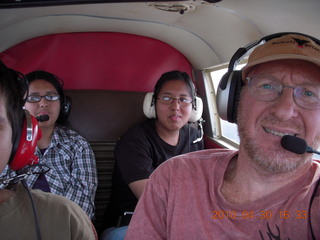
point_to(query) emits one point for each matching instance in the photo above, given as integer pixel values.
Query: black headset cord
(33, 208)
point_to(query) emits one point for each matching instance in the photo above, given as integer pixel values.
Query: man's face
(5, 135)
(262, 124)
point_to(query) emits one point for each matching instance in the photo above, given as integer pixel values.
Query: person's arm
(149, 218)
(84, 180)
(134, 157)
(85, 177)
(137, 187)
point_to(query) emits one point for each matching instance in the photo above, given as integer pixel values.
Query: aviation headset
(231, 83)
(24, 147)
(25, 131)
(65, 101)
(150, 98)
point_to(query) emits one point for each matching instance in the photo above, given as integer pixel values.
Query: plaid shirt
(72, 164)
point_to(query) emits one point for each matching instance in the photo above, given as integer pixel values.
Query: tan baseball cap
(290, 46)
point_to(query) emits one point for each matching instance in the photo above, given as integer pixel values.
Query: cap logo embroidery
(300, 42)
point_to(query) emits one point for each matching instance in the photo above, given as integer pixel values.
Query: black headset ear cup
(66, 107)
(237, 79)
(228, 94)
(65, 110)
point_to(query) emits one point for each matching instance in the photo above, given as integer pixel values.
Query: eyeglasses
(268, 88)
(184, 102)
(37, 98)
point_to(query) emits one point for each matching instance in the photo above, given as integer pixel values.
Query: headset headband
(228, 92)
(241, 52)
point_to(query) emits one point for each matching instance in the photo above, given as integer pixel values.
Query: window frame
(217, 127)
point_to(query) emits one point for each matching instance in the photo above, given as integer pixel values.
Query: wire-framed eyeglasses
(268, 88)
(48, 97)
(184, 102)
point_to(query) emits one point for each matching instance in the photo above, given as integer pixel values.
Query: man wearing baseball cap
(268, 189)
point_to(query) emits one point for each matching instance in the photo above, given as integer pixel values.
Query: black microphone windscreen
(294, 144)
(43, 118)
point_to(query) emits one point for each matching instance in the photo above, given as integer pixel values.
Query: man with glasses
(268, 88)
(69, 156)
(262, 191)
(144, 147)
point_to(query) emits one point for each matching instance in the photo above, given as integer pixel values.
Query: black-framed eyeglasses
(37, 98)
(184, 102)
(268, 88)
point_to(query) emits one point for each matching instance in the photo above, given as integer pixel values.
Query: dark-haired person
(57, 217)
(262, 191)
(144, 147)
(69, 156)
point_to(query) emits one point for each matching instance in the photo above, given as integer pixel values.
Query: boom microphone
(296, 145)
(199, 123)
(42, 118)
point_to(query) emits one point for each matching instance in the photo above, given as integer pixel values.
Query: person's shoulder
(316, 166)
(60, 202)
(316, 162)
(211, 152)
(59, 208)
(67, 133)
(65, 130)
(138, 130)
(205, 155)
(202, 163)
(201, 158)
(192, 126)
(142, 126)
(191, 129)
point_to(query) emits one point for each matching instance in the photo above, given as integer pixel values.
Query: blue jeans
(114, 233)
